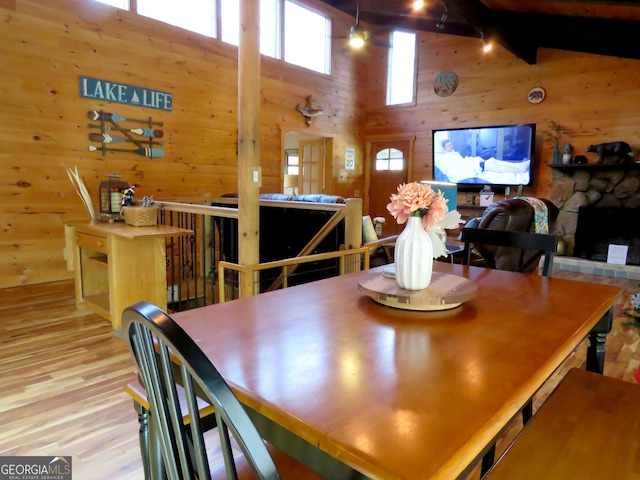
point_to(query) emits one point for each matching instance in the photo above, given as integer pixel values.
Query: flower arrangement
(634, 313)
(420, 200)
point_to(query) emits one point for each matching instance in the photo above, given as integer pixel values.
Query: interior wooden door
(312, 160)
(388, 166)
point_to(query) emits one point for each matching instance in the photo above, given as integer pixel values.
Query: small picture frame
(350, 158)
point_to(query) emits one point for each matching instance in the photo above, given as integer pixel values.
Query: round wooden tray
(445, 291)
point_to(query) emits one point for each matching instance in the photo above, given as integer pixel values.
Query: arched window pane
(383, 153)
(395, 153)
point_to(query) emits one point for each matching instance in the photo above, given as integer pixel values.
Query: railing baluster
(192, 261)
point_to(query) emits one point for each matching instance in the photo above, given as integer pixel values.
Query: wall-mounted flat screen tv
(495, 155)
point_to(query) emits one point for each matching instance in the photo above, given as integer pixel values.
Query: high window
(402, 68)
(307, 38)
(269, 25)
(195, 15)
(301, 36)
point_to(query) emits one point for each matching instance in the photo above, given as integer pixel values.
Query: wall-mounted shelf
(572, 167)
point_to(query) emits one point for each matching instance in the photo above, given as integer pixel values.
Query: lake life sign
(123, 93)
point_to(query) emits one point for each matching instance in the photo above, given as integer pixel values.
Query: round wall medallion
(536, 95)
(445, 83)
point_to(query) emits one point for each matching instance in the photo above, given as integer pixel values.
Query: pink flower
(416, 199)
(437, 211)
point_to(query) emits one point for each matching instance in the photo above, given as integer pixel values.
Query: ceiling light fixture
(486, 44)
(418, 4)
(356, 36)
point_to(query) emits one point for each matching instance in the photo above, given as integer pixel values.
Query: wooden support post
(249, 173)
(353, 223)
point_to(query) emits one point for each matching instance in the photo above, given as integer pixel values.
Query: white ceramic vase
(413, 256)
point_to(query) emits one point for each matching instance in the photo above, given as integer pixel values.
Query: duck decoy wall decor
(309, 112)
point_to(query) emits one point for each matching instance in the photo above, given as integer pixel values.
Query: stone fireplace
(599, 205)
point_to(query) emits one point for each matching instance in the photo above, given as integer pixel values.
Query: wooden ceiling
(521, 26)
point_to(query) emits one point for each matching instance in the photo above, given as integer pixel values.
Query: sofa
(513, 214)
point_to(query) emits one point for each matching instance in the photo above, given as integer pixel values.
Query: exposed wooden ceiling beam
(520, 33)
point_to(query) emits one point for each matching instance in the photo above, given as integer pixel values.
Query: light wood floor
(62, 372)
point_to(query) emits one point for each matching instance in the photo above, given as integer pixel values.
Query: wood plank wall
(45, 45)
(596, 96)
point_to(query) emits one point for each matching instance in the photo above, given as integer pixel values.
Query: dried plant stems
(81, 190)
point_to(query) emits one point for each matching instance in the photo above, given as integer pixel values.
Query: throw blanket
(540, 214)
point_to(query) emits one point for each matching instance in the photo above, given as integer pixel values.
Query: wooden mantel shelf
(572, 167)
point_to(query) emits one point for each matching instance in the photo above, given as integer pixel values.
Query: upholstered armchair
(514, 214)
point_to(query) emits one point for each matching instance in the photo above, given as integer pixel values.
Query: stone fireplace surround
(591, 185)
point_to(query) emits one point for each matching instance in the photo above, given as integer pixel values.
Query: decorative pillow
(368, 230)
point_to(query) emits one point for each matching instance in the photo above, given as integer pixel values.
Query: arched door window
(390, 159)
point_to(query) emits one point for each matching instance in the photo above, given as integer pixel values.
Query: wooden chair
(141, 406)
(533, 246)
(168, 359)
(588, 428)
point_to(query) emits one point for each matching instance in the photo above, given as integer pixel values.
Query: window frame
(291, 152)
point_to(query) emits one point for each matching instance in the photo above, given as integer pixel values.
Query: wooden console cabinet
(117, 265)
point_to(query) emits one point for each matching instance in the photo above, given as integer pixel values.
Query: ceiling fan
(358, 36)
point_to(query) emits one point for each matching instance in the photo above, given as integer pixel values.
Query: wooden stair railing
(351, 260)
(193, 262)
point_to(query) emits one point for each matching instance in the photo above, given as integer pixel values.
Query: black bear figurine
(620, 150)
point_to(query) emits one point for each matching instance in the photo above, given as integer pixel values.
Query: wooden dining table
(357, 389)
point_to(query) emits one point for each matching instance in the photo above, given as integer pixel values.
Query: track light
(443, 19)
(486, 44)
(356, 36)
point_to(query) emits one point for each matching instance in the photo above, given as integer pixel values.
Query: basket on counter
(140, 216)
